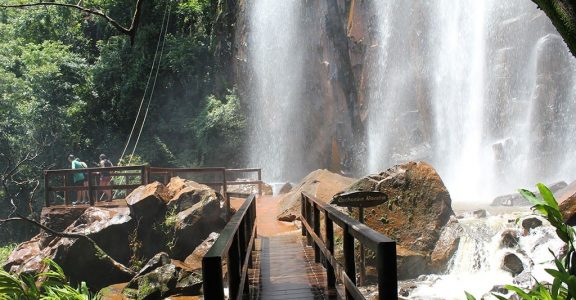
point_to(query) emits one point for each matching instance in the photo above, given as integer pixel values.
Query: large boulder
(148, 201)
(418, 208)
(109, 228)
(186, 193)
(58, 218)
(193, 225)
(82, 260)
(321, 184)
(194, 260)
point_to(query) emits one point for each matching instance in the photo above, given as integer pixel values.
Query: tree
(562, 13)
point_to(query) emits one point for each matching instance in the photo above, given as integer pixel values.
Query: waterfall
(276, 64)
(476, 89)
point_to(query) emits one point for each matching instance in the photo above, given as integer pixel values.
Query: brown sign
(359, 199)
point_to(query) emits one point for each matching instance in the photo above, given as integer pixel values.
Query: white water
(476, 266)
(276, 58)
(480, 89)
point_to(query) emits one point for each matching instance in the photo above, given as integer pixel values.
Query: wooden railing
(382, 246)
(235, 243)
(58, 182)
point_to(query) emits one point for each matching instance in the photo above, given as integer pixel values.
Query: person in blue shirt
(78, 179)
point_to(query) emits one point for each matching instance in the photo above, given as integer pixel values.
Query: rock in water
(418, 208)
(446, 246)
(321, 184)
(531, 223)
(517, 200)
(512, 263)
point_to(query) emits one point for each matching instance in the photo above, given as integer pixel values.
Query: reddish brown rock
(418, 208)
(58, 218)
(322, 184)
(567, 200)
(147, 201)
(186, 193)
(194, 260)
(23, 253)
(446, 246)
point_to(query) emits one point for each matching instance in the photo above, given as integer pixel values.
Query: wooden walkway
(287, 267)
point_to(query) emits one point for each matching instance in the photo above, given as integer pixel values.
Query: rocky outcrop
(517, 200)
(321, 184)
(509, 239)
(194, 260)
(112, 238)
(248, 189)
(418, 208)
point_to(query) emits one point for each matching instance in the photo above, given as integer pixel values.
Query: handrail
(143, 172)
(236, 241)
(384, 247)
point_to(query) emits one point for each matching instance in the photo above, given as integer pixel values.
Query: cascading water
(477, 265)
(276, 60)
(476, 89)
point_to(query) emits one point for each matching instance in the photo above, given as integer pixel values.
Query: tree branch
(131, 31)
(562, 13)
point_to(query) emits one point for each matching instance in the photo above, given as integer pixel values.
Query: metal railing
(383, 247)
(235, 244)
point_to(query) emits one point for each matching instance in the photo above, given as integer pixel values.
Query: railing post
(225, 192)
(90, 188)
(386, 266)
(349, 265)
(316, 212)
(259, 182)
(66, 193)
(46, 190)
(234, 267)
(330, 275)
(308, 206)
(212, 282)
(303, 212)
(145, 175)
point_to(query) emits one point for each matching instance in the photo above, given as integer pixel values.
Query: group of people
(81, 179)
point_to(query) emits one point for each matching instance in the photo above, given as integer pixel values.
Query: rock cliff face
(338, 48)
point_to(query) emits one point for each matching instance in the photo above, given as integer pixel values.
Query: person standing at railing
(105, 176)
(79, 179)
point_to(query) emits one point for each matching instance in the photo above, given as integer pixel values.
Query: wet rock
(512, 263)
(148, 201)
(193, 225)
(249, 189)
(322, 184)
(446, 246)
(531, 223)
(410, 264)
(480, 213)
(499, 289)
(517, 200)
(285, 188)
(194, 260)
(509, 238)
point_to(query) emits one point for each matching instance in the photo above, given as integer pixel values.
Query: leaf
(548, 196)
(469, 296)
(528, 195)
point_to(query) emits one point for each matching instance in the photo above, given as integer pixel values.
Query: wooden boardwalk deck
(287, 267)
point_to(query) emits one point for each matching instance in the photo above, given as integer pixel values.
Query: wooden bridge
(258, 257)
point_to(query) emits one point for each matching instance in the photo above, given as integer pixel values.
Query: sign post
(360, 200)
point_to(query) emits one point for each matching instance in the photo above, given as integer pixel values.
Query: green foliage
(5, 252)
(564, 284)
(50, 285)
